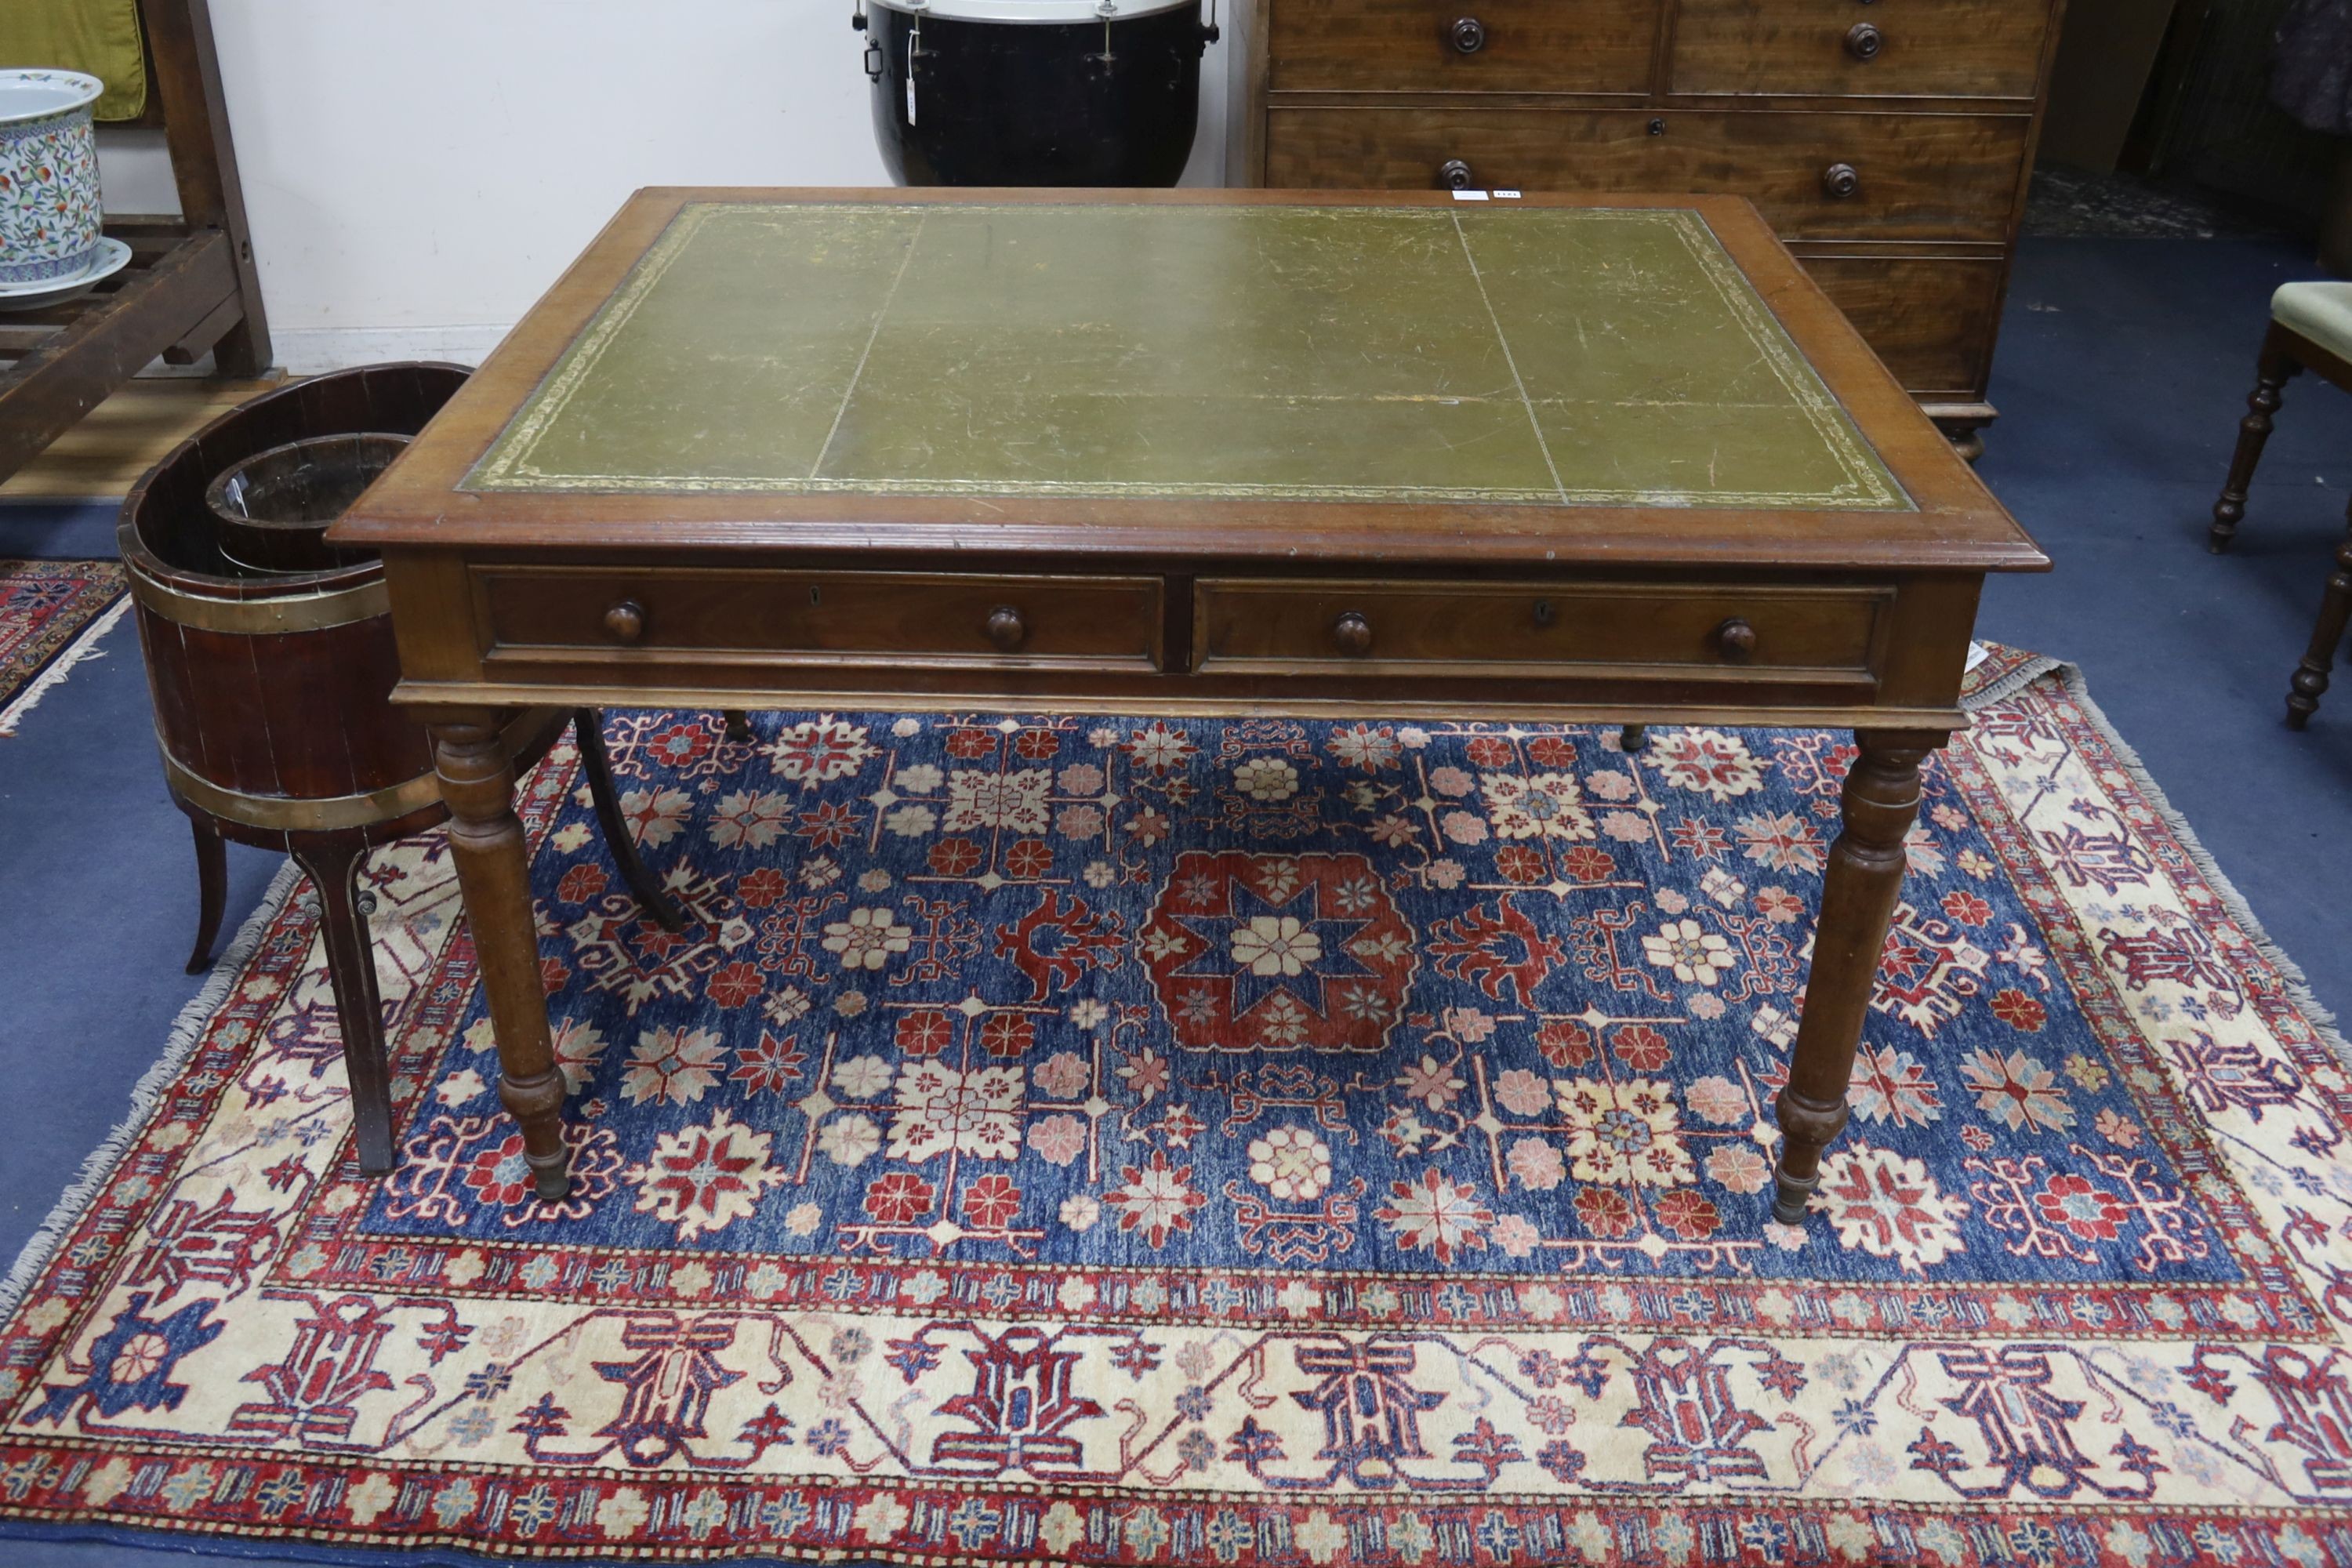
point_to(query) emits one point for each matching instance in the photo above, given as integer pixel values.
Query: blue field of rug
(1076, 1138)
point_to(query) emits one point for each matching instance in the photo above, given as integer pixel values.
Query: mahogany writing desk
(1191, 450)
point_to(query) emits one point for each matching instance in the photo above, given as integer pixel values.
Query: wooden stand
(272, 702)
(190, 287)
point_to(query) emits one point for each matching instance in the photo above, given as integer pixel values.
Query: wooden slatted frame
(190, 287)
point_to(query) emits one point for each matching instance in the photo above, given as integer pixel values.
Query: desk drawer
(1902, 177)
(1423, 46)
(1260, 626)
(1957, 49)
(823, 617)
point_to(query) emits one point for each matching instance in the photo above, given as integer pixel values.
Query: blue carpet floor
(2123, 369)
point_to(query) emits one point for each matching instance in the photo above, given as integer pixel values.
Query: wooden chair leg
(588, 731)
(739, 725)
(212, 892)
(2335, 610)
(1632, 738)
(2272, 370)
(333, 866)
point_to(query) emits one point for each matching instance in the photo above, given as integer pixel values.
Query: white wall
(417, 172)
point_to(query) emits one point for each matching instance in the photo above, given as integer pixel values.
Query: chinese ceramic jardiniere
(48, 176)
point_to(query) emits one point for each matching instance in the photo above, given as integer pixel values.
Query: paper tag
(1507, 195)
(1469, 196)
(910, 98)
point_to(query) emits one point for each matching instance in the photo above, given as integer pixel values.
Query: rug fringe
(83, 647)
(2316, 1013)
(188, 1030)
(2016, 680)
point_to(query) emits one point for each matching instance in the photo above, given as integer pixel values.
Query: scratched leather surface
(1583, 357)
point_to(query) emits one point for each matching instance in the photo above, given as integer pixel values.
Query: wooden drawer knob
(625, 622)
(1454, 174)
(1840, 181)
(1469, 35)
(1735, 640)
(1352, 633)
(1863, 41)
(1006, 628)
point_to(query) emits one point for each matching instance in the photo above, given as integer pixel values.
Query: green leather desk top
(1481, 353)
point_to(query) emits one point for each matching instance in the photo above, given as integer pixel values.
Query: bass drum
(1035, 92)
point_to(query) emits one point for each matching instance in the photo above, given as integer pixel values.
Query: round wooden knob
(1657, 127)
(1005, 627)
(1735, 640)
(1840, 181)
(1863, 41)
(1454, 174)
(1468, 35)
(1352, 633)
(625, 622)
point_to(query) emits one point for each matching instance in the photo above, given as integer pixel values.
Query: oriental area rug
(1244, 1142)
(52, 612)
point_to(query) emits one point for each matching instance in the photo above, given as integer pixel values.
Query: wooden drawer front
(1247, 626)
(1958, 49)
(1932, 321)
(1915, 176)
(824, 617)
(1410, 46)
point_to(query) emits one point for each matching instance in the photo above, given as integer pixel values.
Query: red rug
(52, 613)
(1166, 1142)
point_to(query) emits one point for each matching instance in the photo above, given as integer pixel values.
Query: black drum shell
(1022, 103)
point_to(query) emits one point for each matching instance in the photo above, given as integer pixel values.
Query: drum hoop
(1024, 13)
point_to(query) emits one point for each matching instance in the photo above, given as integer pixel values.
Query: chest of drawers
(1887, 142)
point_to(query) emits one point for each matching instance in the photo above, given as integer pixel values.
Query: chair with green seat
(2311, 329)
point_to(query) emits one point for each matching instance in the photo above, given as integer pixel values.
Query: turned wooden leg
(2271, 372)
(738, 724)
(1865, 873)
(1632, 738)
(2334, 609)
(588, 731)
(486, 840)
(333, 866)
(212, 892)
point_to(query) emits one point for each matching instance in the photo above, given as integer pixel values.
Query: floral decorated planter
(49, 211)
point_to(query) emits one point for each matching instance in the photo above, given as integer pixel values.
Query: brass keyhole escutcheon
(1006, 629)
(1353, 633)
(625, 622)
(1546, 612)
